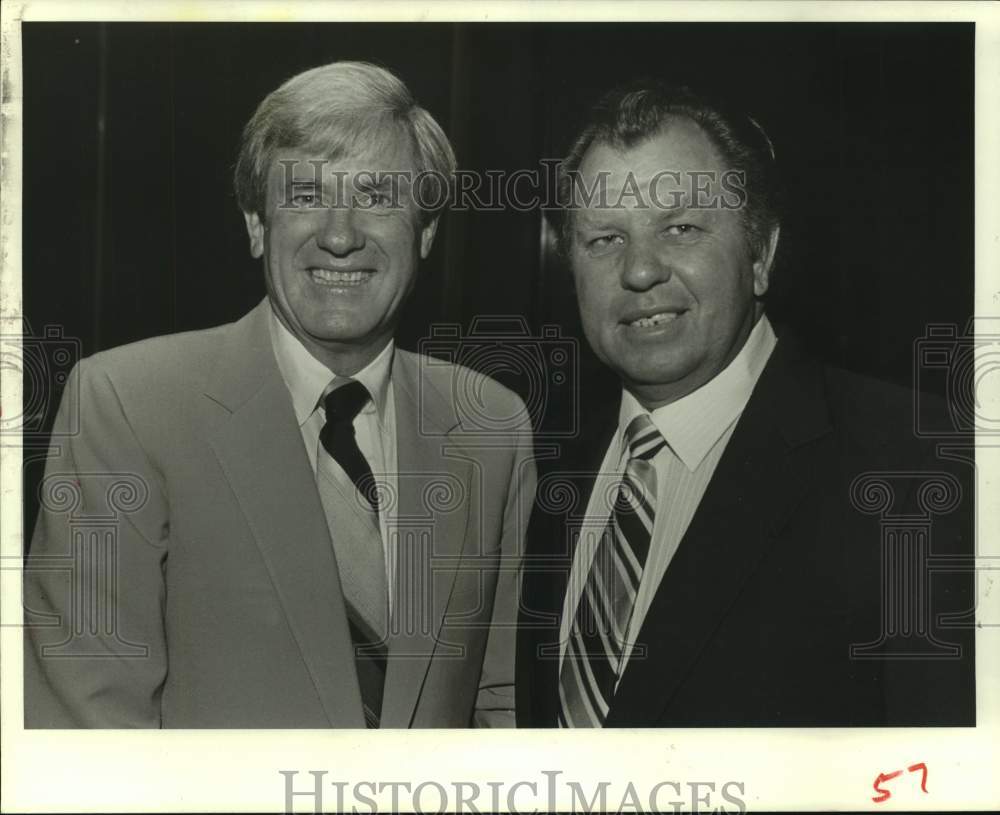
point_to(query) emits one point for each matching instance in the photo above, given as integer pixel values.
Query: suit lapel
(762, 477)
(430, 537)
(259, 446)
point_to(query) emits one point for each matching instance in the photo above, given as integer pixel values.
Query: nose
(339, 233)
(645, 265)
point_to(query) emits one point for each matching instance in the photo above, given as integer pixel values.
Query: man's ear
(255, 229)
(762, 266)
(427, 234)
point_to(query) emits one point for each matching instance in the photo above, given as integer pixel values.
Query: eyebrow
(582, 224)
(659, 215)
(683, 211)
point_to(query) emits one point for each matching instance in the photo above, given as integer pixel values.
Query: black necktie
(369, 637)
(342, 405)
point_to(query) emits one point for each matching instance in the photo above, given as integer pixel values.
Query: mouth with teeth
(340, 279)
(654, 320)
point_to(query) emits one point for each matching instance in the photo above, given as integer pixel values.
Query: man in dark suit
(286, 521)
(743, 538)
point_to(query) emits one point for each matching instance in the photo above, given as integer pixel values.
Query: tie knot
(343, 403)
(644, 440)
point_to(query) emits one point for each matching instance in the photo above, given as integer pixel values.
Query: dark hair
(631, 113)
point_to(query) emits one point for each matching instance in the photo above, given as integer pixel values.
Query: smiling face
(666, 291)
(340, 258)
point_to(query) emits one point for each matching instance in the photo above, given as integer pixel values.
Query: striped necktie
(360, 558)
(593, 658)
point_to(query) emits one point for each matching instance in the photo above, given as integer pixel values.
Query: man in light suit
(287, 521)
(708, 552)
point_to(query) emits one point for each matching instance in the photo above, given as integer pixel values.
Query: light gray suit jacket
(182, 572)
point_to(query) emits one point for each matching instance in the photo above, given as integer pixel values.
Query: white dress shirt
(307, 380)
(696, 428)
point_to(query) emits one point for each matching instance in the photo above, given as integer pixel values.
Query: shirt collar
(694, 423)
(308, 379)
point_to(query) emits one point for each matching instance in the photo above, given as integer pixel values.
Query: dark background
(130, 132)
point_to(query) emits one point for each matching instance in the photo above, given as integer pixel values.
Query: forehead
(384, 152)
(667, 159)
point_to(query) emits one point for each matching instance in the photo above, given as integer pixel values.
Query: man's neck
(656, 396)
(344, 359)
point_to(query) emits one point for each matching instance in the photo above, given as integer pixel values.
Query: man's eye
(371, 199)
(681, 229)
(604, 243)
(304, 199)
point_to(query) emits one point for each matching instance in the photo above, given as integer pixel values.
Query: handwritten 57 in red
(885, 795)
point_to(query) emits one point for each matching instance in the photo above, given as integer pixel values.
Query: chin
(650, 382)
(339, 337)
(666, 373)
(662, 382)
(336, 327)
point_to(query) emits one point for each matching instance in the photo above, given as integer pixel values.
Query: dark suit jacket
(780, 571)
(182, 572)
